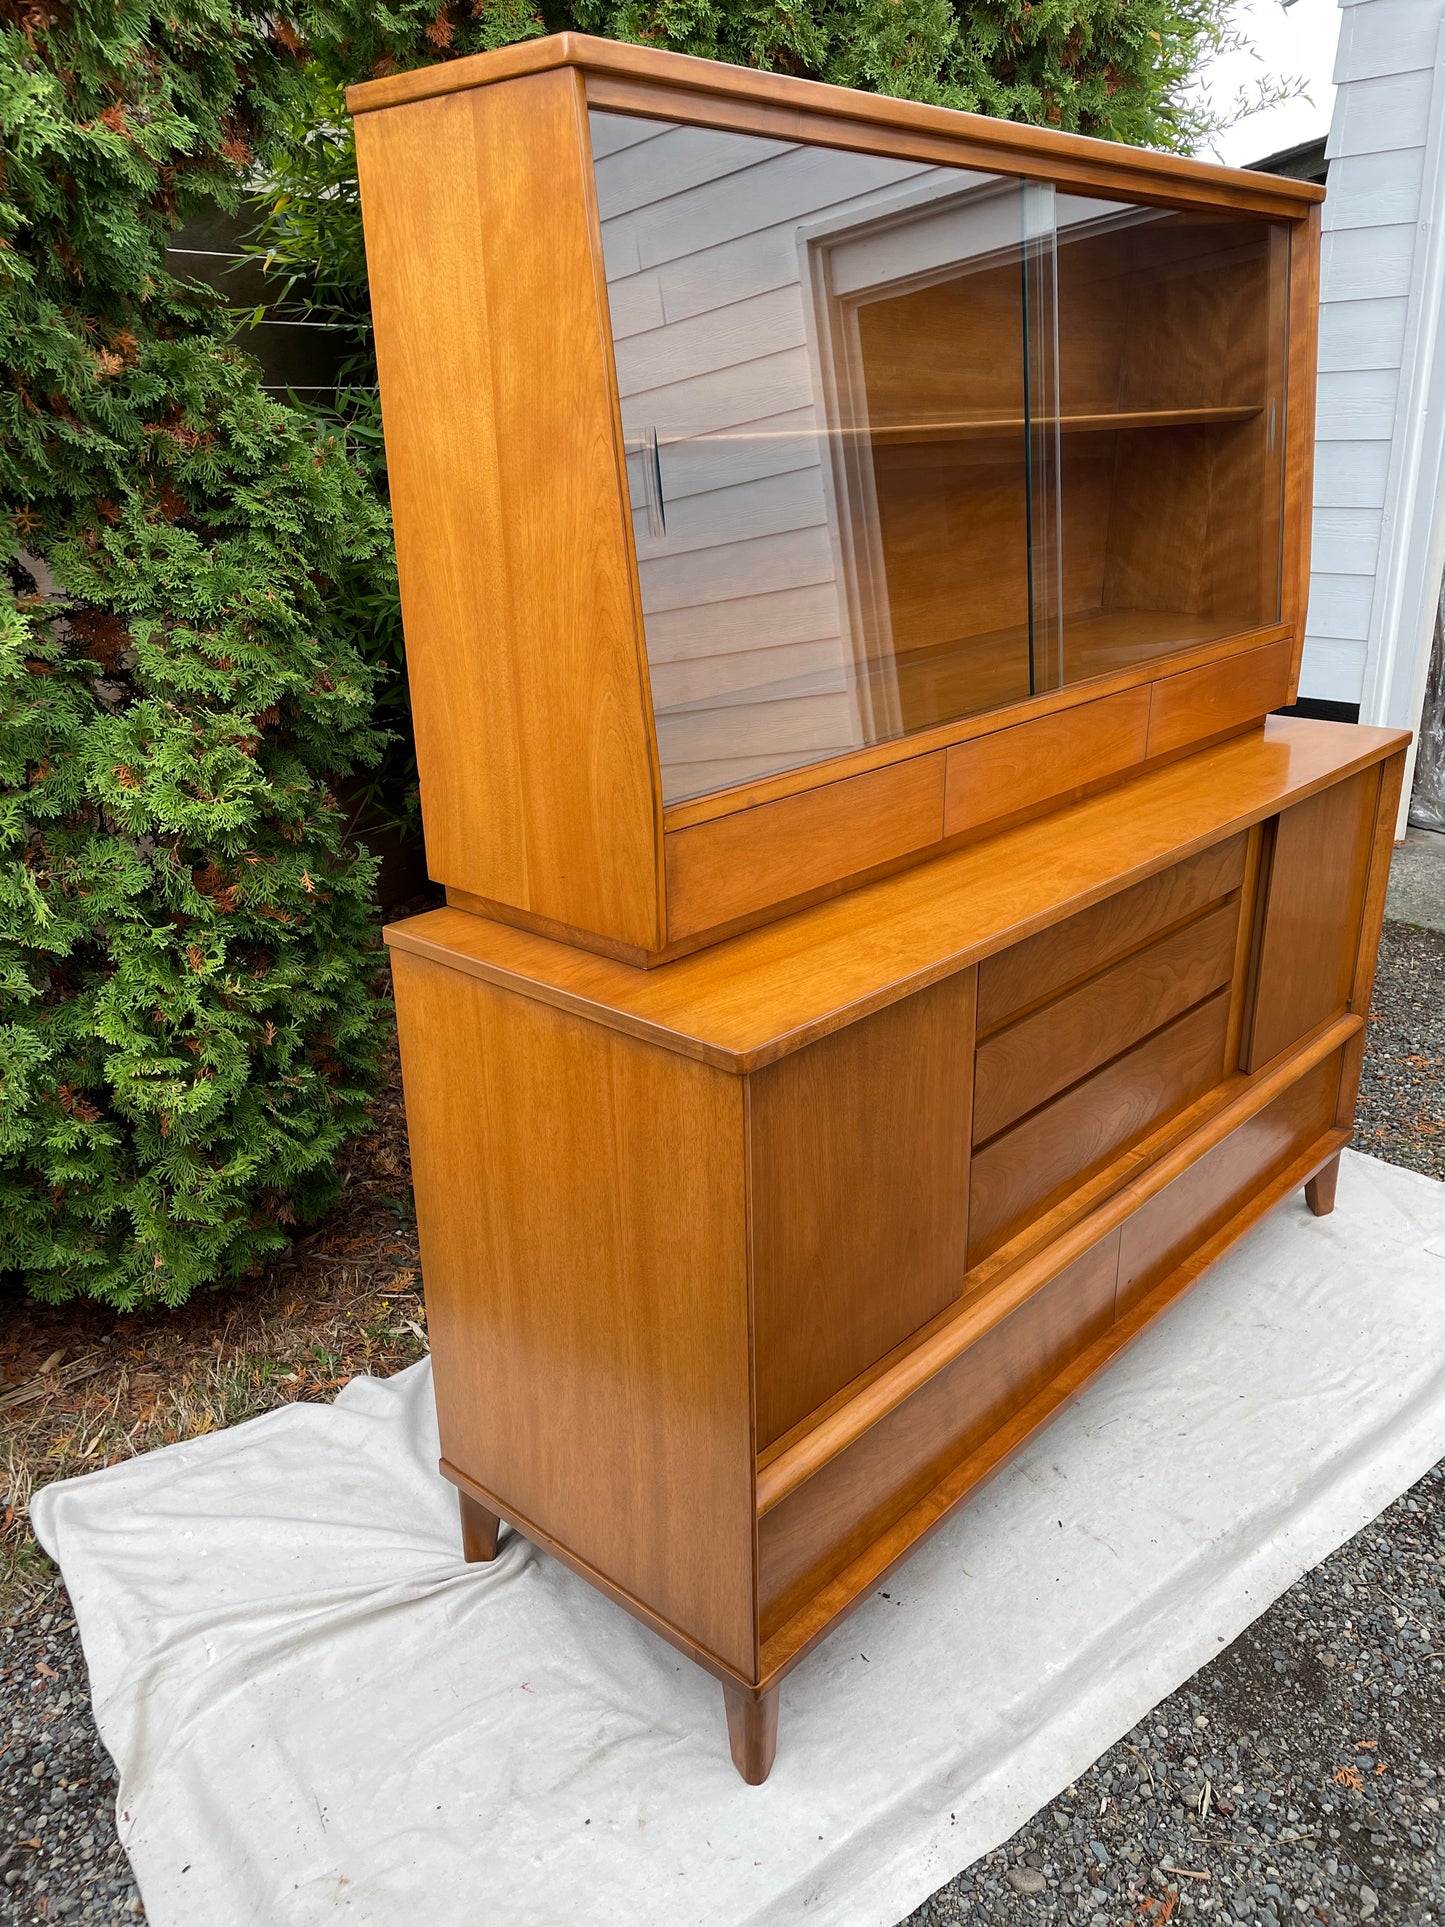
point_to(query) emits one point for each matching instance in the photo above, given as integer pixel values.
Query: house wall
(1381, 422)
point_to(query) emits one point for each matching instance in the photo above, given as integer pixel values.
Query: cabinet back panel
(858, 1154)
(523, 641)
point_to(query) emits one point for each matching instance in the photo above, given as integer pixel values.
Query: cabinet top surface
(816, 101)
(753, 999)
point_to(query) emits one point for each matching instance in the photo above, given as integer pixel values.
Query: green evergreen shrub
(188, 1021)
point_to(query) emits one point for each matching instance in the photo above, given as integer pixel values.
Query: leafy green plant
(190, 1025)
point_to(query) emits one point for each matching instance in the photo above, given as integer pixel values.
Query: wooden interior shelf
(1106, 420)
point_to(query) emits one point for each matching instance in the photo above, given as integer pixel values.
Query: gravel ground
(1298, 1776)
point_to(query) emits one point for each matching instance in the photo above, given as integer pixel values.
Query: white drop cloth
(320, 1714)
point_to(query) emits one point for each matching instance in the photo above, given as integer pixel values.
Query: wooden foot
(752, 1731)
(479, 1531)
(1320, 1191)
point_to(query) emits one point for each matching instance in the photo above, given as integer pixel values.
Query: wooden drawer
(1163, 1232)
(1013, 769)
(1041, 966)
(1206, 702)
(1027, 1169)
(735, 866)
(816, 1530)
(1034, 1059)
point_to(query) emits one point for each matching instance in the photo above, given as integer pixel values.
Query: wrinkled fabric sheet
(320, 1714)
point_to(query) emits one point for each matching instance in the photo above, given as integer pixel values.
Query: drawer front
(1014, 769)
(1319, 863)
(858, 1175)
(814, 1533)
(1032, 1060)
(1041, 966)
(738, 865)
(1163, 1232)
(1225, 695)
(1026, 1170)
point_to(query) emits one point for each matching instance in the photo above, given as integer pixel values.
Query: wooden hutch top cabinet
(849, 554)
(791, 482)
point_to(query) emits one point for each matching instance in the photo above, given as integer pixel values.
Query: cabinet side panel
(523, 649)
(858, 1157)
(581, 1211)
(1313, 907)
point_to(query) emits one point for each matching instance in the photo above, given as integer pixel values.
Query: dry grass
(81, 1387)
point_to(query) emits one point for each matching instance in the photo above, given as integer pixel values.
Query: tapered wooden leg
(752, 1731)
(1320, 1191)
(479, 1531)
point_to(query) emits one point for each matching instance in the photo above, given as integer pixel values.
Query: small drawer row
(734, 867)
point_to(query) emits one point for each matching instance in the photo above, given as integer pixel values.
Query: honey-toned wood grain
(1382, 847)
(736, 864)
(1040, 967)
(995, 775)
(1314, 899)
(647, 80)
(774, 989)
(1027, 1063)
(1025, 1170)
(581, 1211)
(858, 1154)
(1203, 702)
(1304, 295)
(1169, 1225)
(821, 1614)
(1105, 639)
(1009, 1277)
(528, 692)
(820, 1527)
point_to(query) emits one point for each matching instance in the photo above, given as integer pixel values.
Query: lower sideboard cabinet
(743, 1272)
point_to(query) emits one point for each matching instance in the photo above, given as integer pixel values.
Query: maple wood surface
(580, 1205)
(777, 988)
(820, 1526)
(1163, 1231)
(1186, 709)
(1042, 966)
(1034, 1059)
(741, 863)
(858, 1157)
(681, 74)
(995, 775)
(1314, 900)
(1019, 1174)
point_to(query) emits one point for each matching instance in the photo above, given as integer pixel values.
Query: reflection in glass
(841, 381)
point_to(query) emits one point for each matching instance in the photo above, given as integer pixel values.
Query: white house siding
(1376, 534)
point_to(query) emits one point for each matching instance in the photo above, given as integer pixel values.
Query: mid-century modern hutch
(850, 551)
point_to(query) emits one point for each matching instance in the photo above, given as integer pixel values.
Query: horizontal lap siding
(1384, 73)
(741, 591)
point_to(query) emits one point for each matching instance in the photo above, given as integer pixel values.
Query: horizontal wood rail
(845, 1425)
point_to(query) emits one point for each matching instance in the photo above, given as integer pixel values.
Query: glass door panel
(837, 379)
(1172, 340)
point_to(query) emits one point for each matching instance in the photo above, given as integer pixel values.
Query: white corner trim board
(1412, 545)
